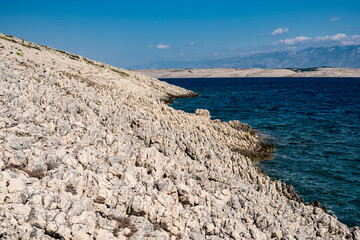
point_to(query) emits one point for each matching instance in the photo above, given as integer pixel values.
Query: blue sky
(126, 33)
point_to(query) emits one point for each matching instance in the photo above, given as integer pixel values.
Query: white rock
(16, 185)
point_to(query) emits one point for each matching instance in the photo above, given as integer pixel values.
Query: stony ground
(90, 151)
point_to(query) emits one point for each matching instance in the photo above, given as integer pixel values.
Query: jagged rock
(203, 112)
(90, 151)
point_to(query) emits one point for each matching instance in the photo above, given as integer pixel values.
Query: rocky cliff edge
(90, 151)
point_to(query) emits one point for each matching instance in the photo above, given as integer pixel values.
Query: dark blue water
(314, 124)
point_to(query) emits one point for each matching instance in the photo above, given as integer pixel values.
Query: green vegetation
(71, 56)
(93, 63)
(28, 45)
(74, 57)
(79, 72)
(116, 232)
(121, 73)
(89, 61)
(19, 54)
(312, 69)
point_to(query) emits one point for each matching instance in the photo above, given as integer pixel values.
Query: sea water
(314, 124)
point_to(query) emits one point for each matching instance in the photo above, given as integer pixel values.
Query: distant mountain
(336, 56)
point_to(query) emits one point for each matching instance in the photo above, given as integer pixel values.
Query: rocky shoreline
(90, 151)
(251, 72)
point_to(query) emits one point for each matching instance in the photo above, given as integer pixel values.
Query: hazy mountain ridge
(336, 56)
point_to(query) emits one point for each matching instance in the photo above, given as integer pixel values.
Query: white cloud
(191, 43)
(279, 31)
(335, 37)
(181, 54)
(149, 46)
(353, 40)
(162, 46)
(335, 19)
(292, 41)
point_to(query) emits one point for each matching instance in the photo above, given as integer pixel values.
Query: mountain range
(335, 56)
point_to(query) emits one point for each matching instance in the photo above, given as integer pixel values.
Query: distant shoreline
(252, 72)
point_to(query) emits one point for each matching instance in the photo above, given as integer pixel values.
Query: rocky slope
(250, 72)
(89, 151)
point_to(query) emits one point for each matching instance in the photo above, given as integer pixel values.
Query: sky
(129, 33)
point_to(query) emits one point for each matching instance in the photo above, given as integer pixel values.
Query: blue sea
(314, 124)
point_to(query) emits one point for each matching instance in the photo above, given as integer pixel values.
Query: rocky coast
(91, 151)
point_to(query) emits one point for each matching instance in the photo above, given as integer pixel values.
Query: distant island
(251, 72)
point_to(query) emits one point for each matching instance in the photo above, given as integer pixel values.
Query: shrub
(35, 173)
(121, 73)
(71, 189)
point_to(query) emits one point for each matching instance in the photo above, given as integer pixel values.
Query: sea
(314, 124)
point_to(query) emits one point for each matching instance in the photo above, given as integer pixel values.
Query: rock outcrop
(90, 151)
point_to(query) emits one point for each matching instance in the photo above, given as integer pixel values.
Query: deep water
(314, 124)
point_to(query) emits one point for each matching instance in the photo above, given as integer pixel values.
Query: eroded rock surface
(89, 151)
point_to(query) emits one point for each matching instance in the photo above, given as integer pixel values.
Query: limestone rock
(90, 151)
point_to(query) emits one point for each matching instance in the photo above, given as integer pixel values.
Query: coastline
(92, 151)
(251, 72)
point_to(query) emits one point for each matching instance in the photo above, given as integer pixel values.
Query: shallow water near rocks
(314, 124)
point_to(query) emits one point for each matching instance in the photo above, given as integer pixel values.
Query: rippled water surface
(314, 124)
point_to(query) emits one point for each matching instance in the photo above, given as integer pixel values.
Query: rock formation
(90, 151)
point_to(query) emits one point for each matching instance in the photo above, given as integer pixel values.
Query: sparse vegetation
(156, 227)
(71, 56)
(74, 57)
(50, 166)
(122, 223)
(116, 232)
(28, 45)
(89, 61)
(311, 69)
(38, 173)
(80, 78)
(71, 189)
(121, 73)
